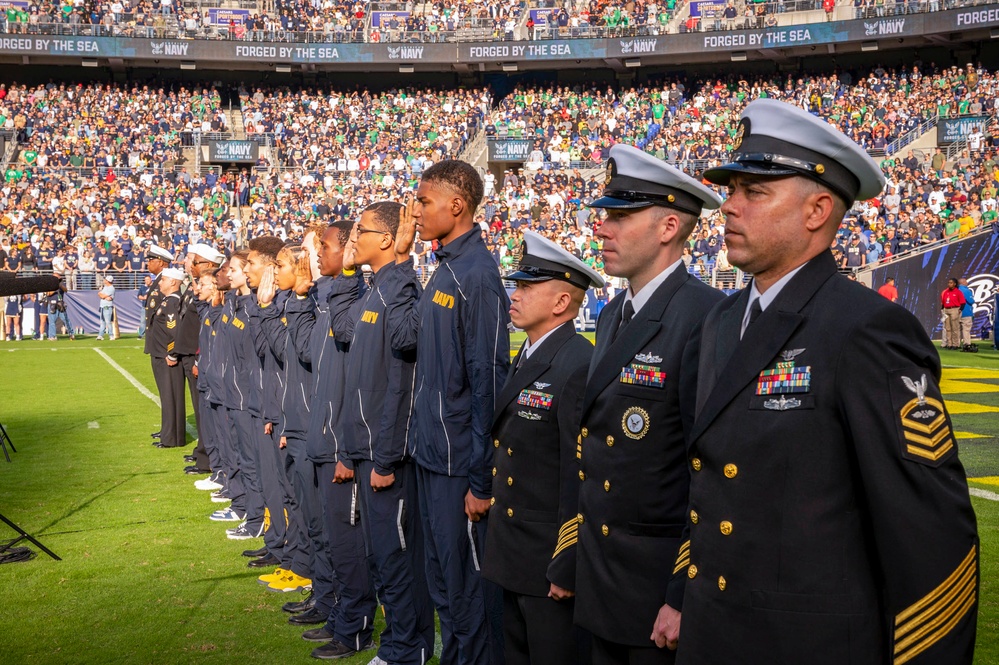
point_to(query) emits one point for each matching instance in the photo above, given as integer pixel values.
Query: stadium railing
(160, 26)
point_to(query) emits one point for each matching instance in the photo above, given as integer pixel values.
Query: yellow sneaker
(271, 577)
(290, 582)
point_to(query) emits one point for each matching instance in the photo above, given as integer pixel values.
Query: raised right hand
(406, 234)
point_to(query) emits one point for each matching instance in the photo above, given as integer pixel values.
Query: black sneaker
(335, 649)
(317, 635)
(295, 607)
(309, 618)
(266, 561)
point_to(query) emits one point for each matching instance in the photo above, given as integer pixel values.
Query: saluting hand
(267, 287)
(666, 631)
(303, 276)
(406, 235)
(350, 249)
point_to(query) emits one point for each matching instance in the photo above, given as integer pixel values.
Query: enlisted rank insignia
(635, 423)
(529, 415)
(535, 399)
(643, 375)
(171, 322)
(925, 430)
(785, 378)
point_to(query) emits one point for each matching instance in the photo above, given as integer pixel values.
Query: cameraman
(57, 309)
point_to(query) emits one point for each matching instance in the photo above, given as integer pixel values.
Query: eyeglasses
(361, 230)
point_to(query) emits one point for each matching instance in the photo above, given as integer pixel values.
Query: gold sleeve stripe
(571, 535)
(925, 622)
(571, 525)
(681, 564)
(564, 546)
(170, 346)
(684, 547)
(922, 452)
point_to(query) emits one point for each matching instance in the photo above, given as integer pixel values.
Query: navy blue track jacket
(378, 399)
(459, 330)
(310, 327)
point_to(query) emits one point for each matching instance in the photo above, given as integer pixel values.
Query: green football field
(147, 578)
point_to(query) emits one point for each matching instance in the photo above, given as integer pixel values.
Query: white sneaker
(207, 484)
(377, 661)
(100, 338)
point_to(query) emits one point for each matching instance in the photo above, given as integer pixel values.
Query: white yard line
(193, 431)
(983, 494)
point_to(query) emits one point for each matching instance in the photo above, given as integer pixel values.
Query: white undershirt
(639, 299)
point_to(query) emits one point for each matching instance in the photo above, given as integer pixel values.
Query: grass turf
(146, 578)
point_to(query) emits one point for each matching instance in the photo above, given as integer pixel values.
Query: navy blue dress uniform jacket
(633, 496)
(162, 335)
(829, 513)
(153, 300)
(531, 539)
(310, 326)
(459, 330)
(377, 405)
(189, 326)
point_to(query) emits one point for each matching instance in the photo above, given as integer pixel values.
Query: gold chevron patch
(926, 435)
(682, 558)
(568, 535)
(171, 325)
(928, 620)
(170, 347)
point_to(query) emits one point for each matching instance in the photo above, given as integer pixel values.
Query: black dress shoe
(266, 561)
(300, 606)
(190, 458)
(163, 445)
(253, 554)
(156, 435)
(195, 471)
(309, 618)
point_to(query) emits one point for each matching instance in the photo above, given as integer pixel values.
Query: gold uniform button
(604, 530)
(693, 516)
(509, 481)
(726, 528)
(731, 470)
(696, 463)
(610, 441)
(607, 486)
(494, 470)
(582, 476)
(579, 439)
(692, 571)
(492, 501)
(584, 432)
(509, 452)
(579, 518)
(496, 443)
(509, 512)
(722, 583)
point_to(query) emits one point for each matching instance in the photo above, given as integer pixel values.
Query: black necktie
(754, 313)
(627, 312)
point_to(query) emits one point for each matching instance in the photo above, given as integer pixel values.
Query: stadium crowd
(101, 170)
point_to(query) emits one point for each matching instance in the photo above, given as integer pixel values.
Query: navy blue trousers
(393, 536)
(352, 619)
